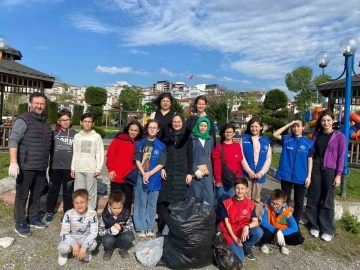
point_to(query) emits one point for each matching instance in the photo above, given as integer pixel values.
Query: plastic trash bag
(149, 252)
(191, 231)
(223, 256)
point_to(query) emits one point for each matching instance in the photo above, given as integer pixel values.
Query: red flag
(191, 77)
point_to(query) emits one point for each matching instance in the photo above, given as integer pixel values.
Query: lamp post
(4, 45)
(120, 121)
(348, 47)
(227, 106)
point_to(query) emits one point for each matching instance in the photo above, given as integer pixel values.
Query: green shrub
(23, 108)
(100, 130)
(78, 112)
(51, 111)
(350, 223)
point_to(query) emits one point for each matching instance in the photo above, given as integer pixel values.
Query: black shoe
(107, 255)
(248, 253)
(124, 254)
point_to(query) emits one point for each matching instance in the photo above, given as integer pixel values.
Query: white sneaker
(149, 233)
(265, 249)
(314, 233)
(284, 250)
(142, 234)
(62, 260)
(326, 237)
(87, 258)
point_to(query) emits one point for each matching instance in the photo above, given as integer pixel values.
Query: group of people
(167, 161)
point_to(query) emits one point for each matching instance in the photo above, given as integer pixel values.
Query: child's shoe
(36, 222)
(149, 233)
(142, 234)
(107, 255)
(124, 254)
(87, 258)
(49, 218)
(284, 250)
(326, 237)
(248, 253)
(265, 249)
(62, 260)
(314, 233)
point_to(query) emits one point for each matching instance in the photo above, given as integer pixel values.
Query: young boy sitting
(116, 226)
(79, 230)
(279, 224)
(240, 226)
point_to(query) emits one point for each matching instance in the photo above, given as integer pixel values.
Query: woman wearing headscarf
(178, 168)
(202, 145)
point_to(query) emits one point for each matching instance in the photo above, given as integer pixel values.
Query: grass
(350, 224)
(352, 185)
(4, 164)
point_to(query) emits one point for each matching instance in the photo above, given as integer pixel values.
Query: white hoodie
(88, 152)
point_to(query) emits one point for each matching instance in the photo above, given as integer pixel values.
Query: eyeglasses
(38, 104)
(276, 205)
(65, 120)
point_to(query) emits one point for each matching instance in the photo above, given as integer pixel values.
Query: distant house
(240, 118)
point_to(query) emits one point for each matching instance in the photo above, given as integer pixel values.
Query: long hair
(136, 123)
(252, 121)
(157, 101)
(225, 127)
(201, 97)
(318, 126)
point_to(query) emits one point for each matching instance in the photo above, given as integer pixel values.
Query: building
(240, 118)
(162, 86)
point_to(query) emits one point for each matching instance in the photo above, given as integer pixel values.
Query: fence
(5, 132)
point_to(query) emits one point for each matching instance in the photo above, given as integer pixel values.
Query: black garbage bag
(223, 256)
(191, 231)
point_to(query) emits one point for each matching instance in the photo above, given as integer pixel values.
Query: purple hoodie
(335, 152)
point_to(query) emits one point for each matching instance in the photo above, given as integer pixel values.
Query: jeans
(320, 207)
(89, 182)
(293, 239)
(28, 182)
(144, 206)
(222, 194)
(64, 249)
(299, 194)
(255, 235)
(123, 241)
(127, 189)
(59, 177)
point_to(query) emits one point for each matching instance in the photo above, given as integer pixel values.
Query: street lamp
(348, 47)
(120, 122)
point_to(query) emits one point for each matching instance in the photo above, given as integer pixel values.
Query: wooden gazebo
(17, 78)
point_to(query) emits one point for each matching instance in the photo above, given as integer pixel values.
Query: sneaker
(165, 231)
(62, 260)
(248, 253)
(49, 218)
(36, 222)
(265, 249)
(142, 234)
(314, 233)
(149, 233)
(124, 254)
(326, 237)
(87, 258)
(107, 255)
(284, 250)
(22, 229)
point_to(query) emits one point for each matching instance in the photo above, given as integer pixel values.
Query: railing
(5, 132)
(354, 148)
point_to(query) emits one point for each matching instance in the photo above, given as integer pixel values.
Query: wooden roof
(326, 88)
(17, 54)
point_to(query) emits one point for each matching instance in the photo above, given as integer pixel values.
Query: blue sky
(243, 45)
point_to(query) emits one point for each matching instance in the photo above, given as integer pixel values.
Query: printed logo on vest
(302, 147)
(283, 220)
(244, 212)
(266, 147)
(156, 152)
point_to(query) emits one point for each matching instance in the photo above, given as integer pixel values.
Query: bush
(350, 223)
(100, 130)
(95, 96)
(23, 108)
(78, 112)
(51, 111)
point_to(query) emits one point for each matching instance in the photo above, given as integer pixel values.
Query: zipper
(297, 145)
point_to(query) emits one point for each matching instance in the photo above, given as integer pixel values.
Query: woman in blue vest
(257, 158)
(150, 158)
(295, 164)
(202, 145)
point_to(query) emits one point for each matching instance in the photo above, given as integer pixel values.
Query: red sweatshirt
(120, 155)
(232, 157)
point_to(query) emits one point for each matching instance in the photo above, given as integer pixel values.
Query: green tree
(51, 111)
(12, 102)
(275, 99)
(95, 96)
(24, 107)
(177, 107)
(217, 112)
(130, 97)
(250, 104)
(77, 113)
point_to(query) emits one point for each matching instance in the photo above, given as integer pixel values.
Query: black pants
(320, 207)
(163, 212)
(28, 182)
(128, 191)
(57, 178)
(291, 239)
(123, 241)
(299, 193)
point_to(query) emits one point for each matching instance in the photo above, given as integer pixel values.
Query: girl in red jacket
(232, 158)
(120, 162)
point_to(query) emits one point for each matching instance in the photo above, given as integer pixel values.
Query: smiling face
(37, 105)
(200, 106)
(229, 134)
(327, 123)
(255, 129)
(176, 123)
(203, 127)
(165, 104)
(297, 128)
(152, 129)
(240, 191)
(133, 131)
(80, 205)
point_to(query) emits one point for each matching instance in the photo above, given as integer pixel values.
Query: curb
(7, 184)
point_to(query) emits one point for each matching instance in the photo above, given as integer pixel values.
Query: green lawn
(4, 164)
(353, 181)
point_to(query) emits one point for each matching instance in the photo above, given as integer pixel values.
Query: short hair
(82, 192)
(63, 112)
(225, 127)
(157, 101)
(241, 181)
(252, 121)
(36, 95)
(278, 194)
(88, 115)
(148, 123)
(116, 196)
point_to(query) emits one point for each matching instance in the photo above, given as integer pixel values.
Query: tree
(12, 101)
(51, 111)
(177, 107)
(217, 112)
(24, 107)
(78, 111)
(95, 96)
(275, 99)
(250, 104)
(130, 97)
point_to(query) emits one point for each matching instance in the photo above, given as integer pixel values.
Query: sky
(241, 45)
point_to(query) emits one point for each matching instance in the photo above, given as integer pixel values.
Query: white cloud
(136, 51)
(11, 3)
(205, 76)
(89, 23)
(116, 70)
(166, 72)
(261, 39)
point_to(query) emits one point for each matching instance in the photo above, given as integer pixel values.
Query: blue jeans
(255, 235)
(144, 206)
(221, 195)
